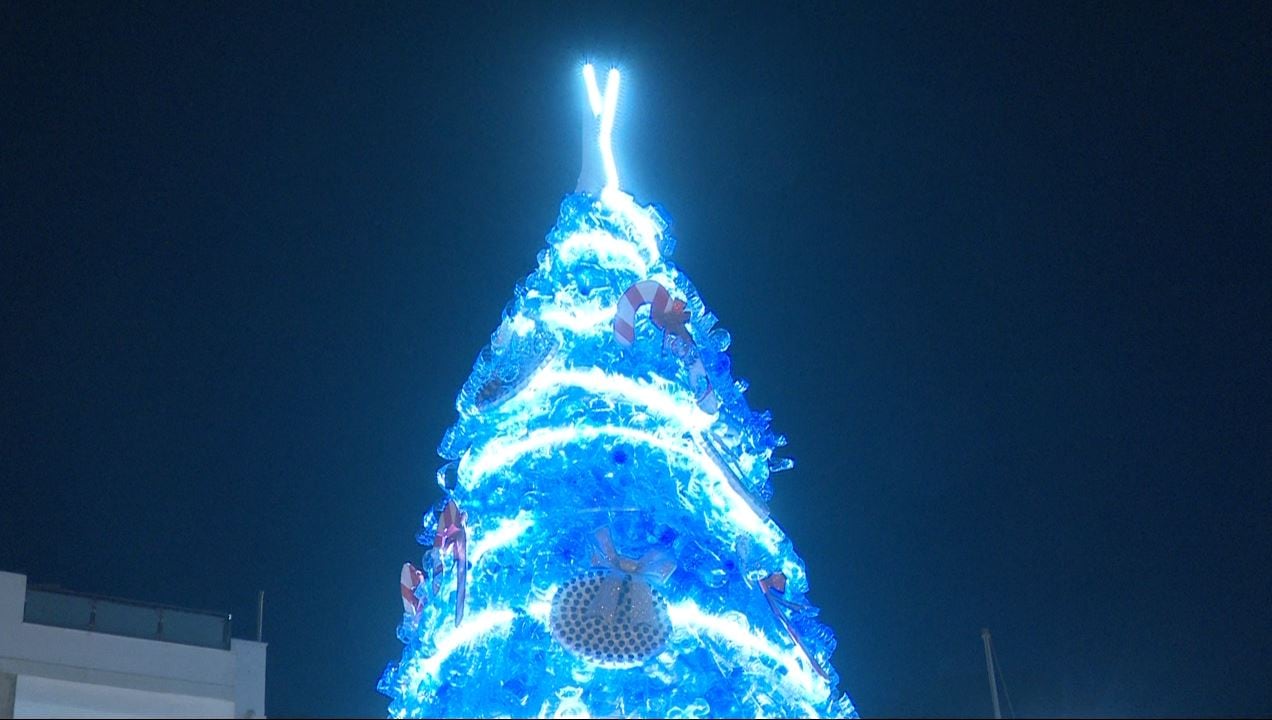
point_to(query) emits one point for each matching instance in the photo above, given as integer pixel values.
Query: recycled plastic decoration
(614, 555)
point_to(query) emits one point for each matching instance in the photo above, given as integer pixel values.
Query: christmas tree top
(604, 546)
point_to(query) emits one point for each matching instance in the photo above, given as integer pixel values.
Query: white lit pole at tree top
(604, 548)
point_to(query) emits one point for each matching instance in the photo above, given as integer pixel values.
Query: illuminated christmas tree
(604, 548)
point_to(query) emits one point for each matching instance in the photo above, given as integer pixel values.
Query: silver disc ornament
(614, 619)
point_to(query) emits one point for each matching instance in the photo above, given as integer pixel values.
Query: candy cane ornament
(668, 314)
(452, 535)
(774, 587)
(410, 580)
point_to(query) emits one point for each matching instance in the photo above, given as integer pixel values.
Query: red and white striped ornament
(668, 314)
(411, 579)
(452, 536)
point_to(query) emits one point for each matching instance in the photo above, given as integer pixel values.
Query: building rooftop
(70, 654)
(58, 607)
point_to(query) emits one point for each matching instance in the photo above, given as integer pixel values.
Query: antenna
(989, 668)
(260, 612)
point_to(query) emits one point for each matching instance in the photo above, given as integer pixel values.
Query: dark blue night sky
(1001, 273)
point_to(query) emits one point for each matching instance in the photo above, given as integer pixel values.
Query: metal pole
(989, 668)
(260, 617)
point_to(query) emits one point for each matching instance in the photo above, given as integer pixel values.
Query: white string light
(604, 105)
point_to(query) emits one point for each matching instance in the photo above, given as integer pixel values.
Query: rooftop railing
(149, 621)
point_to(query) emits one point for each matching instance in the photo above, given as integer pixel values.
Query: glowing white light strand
(507, 532)
(580, 319)
(638, 222)
(568, 312)
(475, 627)
(687, 614)
(677, 409)
(541, 610)
(656, 395)
(603, 107)
(641, 223)
(479, 463)
(610, 251)
(593, 92)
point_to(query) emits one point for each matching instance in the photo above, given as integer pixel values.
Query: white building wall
(249, 678)
(60, 672)
(41, 697)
